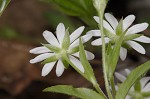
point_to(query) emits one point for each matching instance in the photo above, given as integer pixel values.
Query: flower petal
(137, 28)
(98, 41)
(47, 68)
(50, 38)
(89, 55)
(136, 47)
(147, 88)
(39, 50)
(41, 57)
(60, 32)
(112, 20)
(106, 24)
(76, 33)
(143, 39)
(120, 77)
(84, 38)
(144, 81)
(59, 68)
(123, 53)
(77, 63)
(128, 97)
(96, 18)
(94, 32)
(127, 71)
(128, 21)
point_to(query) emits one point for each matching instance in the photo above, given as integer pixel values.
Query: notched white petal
(144, 81)
(59, 68)
(41, 57)
(112, 20)
(123, 53)
(128, 21)
(76, 34)
(98, 41)
(84, 38)
(136, 47)
(146, 88)
(120, 77)
(77, 63)
(137, 28)
(89, 55)
(108, 27)
(94, 32)
(47, 68)
(143, 39)
(60, 32)
(50, 38)
(96, 19)
(39, 50)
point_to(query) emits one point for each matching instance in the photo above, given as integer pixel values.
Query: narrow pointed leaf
(82, 93)
(131, 79)
(88, 68)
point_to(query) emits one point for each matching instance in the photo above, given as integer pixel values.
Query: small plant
(67, 49)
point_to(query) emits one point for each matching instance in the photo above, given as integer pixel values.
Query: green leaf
(52, 48)
(82, 93)
(88, 68)
(84, 9)
(66, 40)
(50, 59)
(131, 79)
(3, 5)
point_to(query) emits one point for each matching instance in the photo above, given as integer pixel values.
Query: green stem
(113, 86)
(101, 13)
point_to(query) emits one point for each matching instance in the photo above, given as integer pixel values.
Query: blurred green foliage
(83, 9)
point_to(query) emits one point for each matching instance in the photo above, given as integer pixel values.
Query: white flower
(46, 53)
(111, 25)
(144, 82)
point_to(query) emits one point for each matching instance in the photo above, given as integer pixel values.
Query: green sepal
(131, 79)
(3, 5)
(66, 40)
(109, 34)
(131, 36)
(73, 50)
(66, 64)
(82, 93)
(137, 86)
(119, 28)
(50, 59)
(52, 48)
